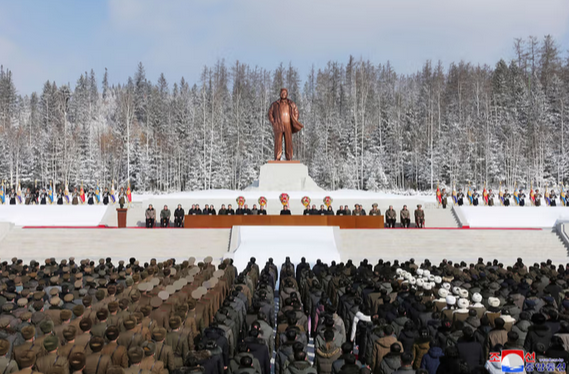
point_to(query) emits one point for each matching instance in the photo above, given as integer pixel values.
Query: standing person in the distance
(460, 197)
(179, 216)
(59, 197)
(150, 216)
(230, 211)
(262, 211)
(165, 215)
(75, 197)
(43, 197)
(405, 217)
(475, 196)
(374, 210)
(122, 197)
(12, 197)
(390, 216)
(28, 197)
(537, 200)
(285, 211)
(419, 217)
(91, 197)
(552, 198)
(490, 198)
(106, 196)
(444, 200)
(521, 197)
(507, 198)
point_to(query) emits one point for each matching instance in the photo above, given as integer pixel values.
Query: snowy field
(513, 216)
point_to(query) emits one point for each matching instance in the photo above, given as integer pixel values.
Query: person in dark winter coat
(470, 350)
(406, 364)
(325, 355)
(538, 333)
(347, 349)
(300, 365)
(392, 361)
(522, 327)
(408, 335)
(259, 350)
(557, 350)
(431, 360)
(452, 363)
(350, 366)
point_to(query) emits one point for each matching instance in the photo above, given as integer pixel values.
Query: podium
(121, 217)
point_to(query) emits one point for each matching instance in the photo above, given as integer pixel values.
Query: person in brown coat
(419, 217)
(178, 341)
(149, 361)
(498, 335)
(28, 333)
(71, 346)
(382, 346)
(326, 354)
(164, 352)
(116, 352)
(97, 362)
(390, 216)
(405, 217)
(135, 355)
(51, 359)
(8, 366)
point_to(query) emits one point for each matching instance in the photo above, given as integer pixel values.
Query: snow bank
(513, 216)
(52, 215)
(278, 242)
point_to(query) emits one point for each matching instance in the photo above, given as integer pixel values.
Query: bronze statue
(283, 115)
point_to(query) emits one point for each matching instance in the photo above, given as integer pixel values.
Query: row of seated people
(168, 317)
(179, 213)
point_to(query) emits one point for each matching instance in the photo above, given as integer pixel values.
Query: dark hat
(69, 333)
(51, 343)
(28, 332)
(96, 344)
(112, 333)
(4, 346)
(46, 327)
(77, 361)
(65, 314)
(85, 324)
(148, 348)
(78, 310)
(102, 314)
(135, 355)
(175, 322)
(26, 359)
(26, 316)
(129, 323)
(159, 334)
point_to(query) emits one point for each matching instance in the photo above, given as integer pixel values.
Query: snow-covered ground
(513, 216)
(53, 215)
(278, 242)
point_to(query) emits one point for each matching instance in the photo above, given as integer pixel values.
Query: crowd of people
(517, 197)
(45, 196)
(98, 317)
(179, 213)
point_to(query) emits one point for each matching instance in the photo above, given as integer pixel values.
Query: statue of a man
(283, 115)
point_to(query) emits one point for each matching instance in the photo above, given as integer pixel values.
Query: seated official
(230, 211)
(179, 216)
(419, 217)
(222, 210)
(212, 211)
(205, 210)
(390, 216)
(262, 211)
(322, 211)
(306, 211)
(313, 211)
(330, 211)
(198, 210)
(285, 211)
(375, 211)
(254, 211)
(405, 217)
(150, 216)
(165, 215)
(192, 210)
(244, 211)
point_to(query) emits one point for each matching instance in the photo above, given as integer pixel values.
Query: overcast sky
(58, 40)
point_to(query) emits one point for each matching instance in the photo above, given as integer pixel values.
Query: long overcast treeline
(366, 126)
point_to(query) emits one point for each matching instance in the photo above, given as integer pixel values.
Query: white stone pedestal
(286, 176)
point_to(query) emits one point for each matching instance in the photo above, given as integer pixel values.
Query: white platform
(278, 242)
(513, 216)
(53, 215)
(285, 176)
